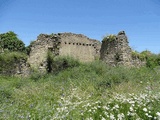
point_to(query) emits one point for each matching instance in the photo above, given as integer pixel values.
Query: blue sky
(140, 19)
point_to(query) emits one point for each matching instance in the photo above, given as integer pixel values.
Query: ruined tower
(115, 50)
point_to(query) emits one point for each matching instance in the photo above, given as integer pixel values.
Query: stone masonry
(116, 51)
(77, 46)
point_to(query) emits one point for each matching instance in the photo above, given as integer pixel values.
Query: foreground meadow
(91, 91)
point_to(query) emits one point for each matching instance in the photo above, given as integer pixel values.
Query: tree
(11, 42)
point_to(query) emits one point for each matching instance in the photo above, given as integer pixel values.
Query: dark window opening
(117, 57)
(41, 64)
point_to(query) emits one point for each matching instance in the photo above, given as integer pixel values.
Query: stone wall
(77, 46)
(38, 55)
(115, 51)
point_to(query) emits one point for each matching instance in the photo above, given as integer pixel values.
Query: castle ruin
(114, 50)
(77, 46)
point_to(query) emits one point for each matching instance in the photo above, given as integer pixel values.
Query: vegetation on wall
(109, 38)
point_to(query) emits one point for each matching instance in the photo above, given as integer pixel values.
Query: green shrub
(137, 55)
(58, 63)
(152, 60)
(9, 60)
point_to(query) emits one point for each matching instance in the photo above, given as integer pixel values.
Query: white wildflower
(106, 113)
(145, 109)
(98, 102)
(103, 118)
(146, 114)
(95, 108)
(131, 114)
(155, 118)
(132, 102)
(112, 117)
(105, 107)
(131, 109)
(89, 110)
(138, 119)
(150, 116)
(120, 116)
(116, 106)
(89, 118)
(158, 115)
(99, 106)
(88, 104)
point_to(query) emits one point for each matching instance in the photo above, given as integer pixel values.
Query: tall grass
(84, 91)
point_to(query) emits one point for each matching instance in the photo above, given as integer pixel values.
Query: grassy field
(92, 91)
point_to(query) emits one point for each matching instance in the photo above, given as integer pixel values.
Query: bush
(152, 60)
(137, 55)
(58, 63)
(9, 60)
